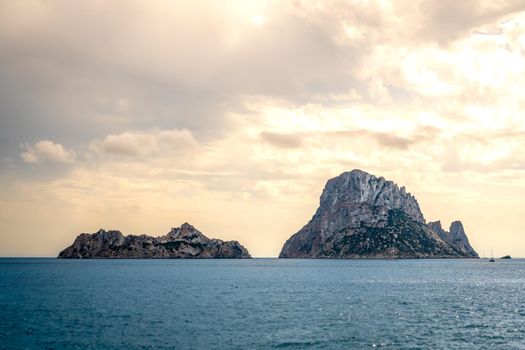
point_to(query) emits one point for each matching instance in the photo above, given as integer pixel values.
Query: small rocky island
(364, 216)
(183, 242)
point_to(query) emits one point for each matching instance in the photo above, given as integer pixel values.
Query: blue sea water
(261, 304)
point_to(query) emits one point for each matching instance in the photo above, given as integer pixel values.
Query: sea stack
(185, 242)
(364, 216)
(456, 236)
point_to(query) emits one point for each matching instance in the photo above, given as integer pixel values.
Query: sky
(232, 115)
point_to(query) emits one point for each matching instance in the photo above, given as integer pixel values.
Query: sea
(261, 304)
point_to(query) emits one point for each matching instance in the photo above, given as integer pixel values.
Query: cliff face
(180, 242)
(361, 215)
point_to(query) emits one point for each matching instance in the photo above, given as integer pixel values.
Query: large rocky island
(364, 216)
(180, 242)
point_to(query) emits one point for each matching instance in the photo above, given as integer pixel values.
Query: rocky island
(364, 216)
(183, 242)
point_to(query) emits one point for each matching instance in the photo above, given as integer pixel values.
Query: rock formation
(180, 242)
(456, 236)
(363, 216)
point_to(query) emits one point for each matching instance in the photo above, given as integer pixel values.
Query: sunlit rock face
(364, 216)
(181, 242)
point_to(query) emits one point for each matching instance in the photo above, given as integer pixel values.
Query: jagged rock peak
(181, 242)
(457, 227)
(435, 224)
(186, 226)
(359, 187)
(109, 237)
(184, 230)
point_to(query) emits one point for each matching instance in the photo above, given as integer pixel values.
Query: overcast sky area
(232, 115)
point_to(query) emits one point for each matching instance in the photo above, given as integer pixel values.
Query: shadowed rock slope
(364, 216)
(183, 242)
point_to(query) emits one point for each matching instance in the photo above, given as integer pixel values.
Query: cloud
(384, 139)
(447, 20)
(60, 73)
(281, 140)
(390, 140)
(394, 141)
(407, 89)
(498, 151)
(47, 151)
(142, 144)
